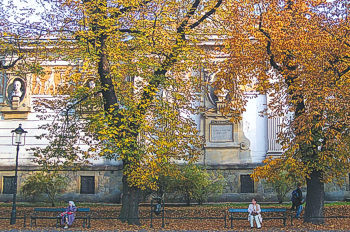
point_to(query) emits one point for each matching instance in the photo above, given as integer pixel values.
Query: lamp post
(18, 139)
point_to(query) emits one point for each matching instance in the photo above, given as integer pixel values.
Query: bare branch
(334, 68)
(129, 31)
(337, 38)
(190, 13)
(129, 8)
(2, 66)
(207, 15)
(268, 46)
(81, 100)
(344, 71)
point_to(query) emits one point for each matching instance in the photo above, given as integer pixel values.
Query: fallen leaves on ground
(175, 219)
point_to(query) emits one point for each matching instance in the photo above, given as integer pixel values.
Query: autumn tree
(142, 57)
(297, 53)
(9, 47)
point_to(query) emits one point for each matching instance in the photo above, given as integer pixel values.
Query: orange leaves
(294, 52)
(205, 211)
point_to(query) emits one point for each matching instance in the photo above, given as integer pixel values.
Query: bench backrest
(59, 209)
(262, 210)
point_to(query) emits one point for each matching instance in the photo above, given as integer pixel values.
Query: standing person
(69, 215)
(254, 211)
(297, 200)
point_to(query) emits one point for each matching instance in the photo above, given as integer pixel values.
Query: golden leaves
(294, 53)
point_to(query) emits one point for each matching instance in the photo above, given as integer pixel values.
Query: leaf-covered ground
(179, 224)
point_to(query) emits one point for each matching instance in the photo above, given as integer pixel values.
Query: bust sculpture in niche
(17, 104)
(16, 94)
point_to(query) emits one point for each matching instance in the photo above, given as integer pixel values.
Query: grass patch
(205, 205)
(57, 204)
(337, 203)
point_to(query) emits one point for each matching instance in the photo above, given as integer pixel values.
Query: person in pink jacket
(69, 215)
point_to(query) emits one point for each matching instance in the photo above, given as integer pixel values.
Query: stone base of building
(103, 184)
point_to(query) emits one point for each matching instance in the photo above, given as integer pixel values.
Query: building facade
(232, 149)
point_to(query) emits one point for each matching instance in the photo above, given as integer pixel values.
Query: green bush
(195, 183)
(41, 182)
(282, 185)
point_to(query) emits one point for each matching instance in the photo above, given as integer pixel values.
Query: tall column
(273, 129)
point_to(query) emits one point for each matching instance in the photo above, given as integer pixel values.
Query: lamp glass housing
(18, 135)
(18, 138)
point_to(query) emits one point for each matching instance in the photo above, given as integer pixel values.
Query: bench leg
(231, 221)
(24, 221)
(225, 219)
(32, 221)
(89, 222)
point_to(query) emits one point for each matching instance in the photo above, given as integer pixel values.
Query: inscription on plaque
(221, 132)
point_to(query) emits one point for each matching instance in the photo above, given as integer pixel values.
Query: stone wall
(108, 186)
(232, 190)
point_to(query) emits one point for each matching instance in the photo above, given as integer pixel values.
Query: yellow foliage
(297, 53)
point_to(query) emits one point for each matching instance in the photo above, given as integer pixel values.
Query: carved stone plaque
(221, 131)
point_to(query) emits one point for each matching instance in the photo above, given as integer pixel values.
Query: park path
(254, 230)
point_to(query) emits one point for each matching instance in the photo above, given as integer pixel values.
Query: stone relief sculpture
(61, 82)
(226, 142)
(50, 83)
(38, 85)
(212, 98)
(17, 90)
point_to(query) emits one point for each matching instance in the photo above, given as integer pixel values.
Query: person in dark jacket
(297, 200)
(69, 215)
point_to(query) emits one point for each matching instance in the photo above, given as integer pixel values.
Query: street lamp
(18, 139)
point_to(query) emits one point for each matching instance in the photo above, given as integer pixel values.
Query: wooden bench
(17, 218)
(54, 213)
(264, 210)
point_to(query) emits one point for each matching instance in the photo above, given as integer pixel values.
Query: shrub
(196, 183)
(281, 185)
(41, 182)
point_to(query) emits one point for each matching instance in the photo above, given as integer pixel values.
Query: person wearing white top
(254, 211)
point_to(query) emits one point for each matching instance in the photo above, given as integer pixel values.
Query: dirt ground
(175, 220)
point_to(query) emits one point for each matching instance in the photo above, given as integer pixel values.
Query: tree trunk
(51, 197)
(280, 199)
(188, 200)
(314, 199)
(130, 204)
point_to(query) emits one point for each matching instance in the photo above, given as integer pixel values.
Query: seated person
(69, 215)
(254, 213)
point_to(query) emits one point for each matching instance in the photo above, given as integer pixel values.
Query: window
(87, 185)
(3, 80)
(247, 184)
(8, 185)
